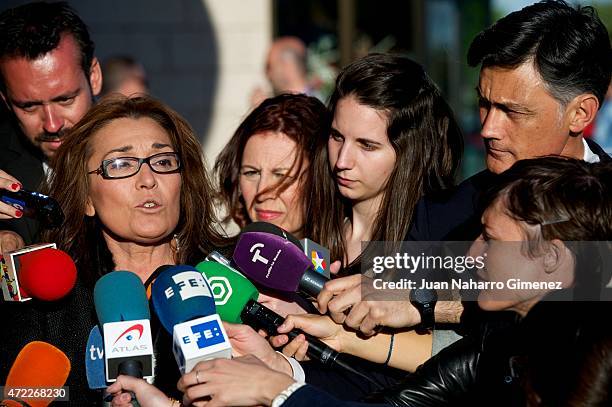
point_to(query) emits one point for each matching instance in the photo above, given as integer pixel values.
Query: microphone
(236, 300)
(318, 255)
(94, 360)
(38, 365)
(276, 261)
(37, 271)
(123, 311)
(183, 301)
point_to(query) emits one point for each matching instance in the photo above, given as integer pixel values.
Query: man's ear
(583, 110)
(89, 208)
(95, 77)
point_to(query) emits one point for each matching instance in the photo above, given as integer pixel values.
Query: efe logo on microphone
(207, 334)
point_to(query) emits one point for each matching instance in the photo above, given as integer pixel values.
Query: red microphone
(38, 271)
(47, 274)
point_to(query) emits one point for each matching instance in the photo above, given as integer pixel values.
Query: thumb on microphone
(147, 394)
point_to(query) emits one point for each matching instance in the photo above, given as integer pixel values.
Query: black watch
(424, 300)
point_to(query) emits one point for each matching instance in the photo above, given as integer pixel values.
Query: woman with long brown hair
(131, 179)
(393, 140)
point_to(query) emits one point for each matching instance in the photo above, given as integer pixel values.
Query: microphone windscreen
(230, 289)
(271, 228)
(94, 360)
(39, 364)
(180, 294)
(120, 296)
(270, 260)
(47, 274)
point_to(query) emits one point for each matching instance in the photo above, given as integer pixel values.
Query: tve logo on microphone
(200, 339)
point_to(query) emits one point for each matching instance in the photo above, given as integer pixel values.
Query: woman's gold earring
(175, 243)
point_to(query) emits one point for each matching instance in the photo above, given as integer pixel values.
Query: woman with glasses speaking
(131, 179)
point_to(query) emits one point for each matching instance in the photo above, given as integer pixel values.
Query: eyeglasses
(124, 167)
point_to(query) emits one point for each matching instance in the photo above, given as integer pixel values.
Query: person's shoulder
(441, 216)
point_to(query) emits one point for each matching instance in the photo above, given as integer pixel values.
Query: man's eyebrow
(505, 105)
(62, 97)
(68, 95)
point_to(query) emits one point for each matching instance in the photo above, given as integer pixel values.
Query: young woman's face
(360, 153)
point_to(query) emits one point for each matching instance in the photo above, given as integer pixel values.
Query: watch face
(423, 295)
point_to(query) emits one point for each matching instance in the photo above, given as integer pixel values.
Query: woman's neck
(360, 227)
(139, 259)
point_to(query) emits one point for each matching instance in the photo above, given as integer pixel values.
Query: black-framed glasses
(124, 167)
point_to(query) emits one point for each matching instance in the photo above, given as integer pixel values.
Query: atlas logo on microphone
(127, 333)
(191, 284)
(129, 340)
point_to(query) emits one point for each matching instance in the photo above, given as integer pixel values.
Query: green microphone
(231, 290)
(236, 301)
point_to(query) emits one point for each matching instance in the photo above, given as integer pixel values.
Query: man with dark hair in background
(48, 79)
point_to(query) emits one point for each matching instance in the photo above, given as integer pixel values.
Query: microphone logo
(191, 284)
(221, 288)
(257, 256)
(208, 334)
(318, 261)
(138, 328)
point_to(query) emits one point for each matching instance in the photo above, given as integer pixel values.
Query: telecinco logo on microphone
(191, 284)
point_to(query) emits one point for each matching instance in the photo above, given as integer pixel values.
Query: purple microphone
(272, 258)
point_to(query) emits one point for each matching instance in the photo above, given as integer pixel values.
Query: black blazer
(22, 160)
(456, 216)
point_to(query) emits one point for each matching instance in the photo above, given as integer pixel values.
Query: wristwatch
(424, 300)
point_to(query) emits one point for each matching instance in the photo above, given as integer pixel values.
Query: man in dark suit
(48, 79)
(544, 74)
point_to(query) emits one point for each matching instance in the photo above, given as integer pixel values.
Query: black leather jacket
(489, 367)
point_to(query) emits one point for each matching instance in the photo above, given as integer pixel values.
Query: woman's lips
(345, 182)
(267, 215)
(150, 205)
